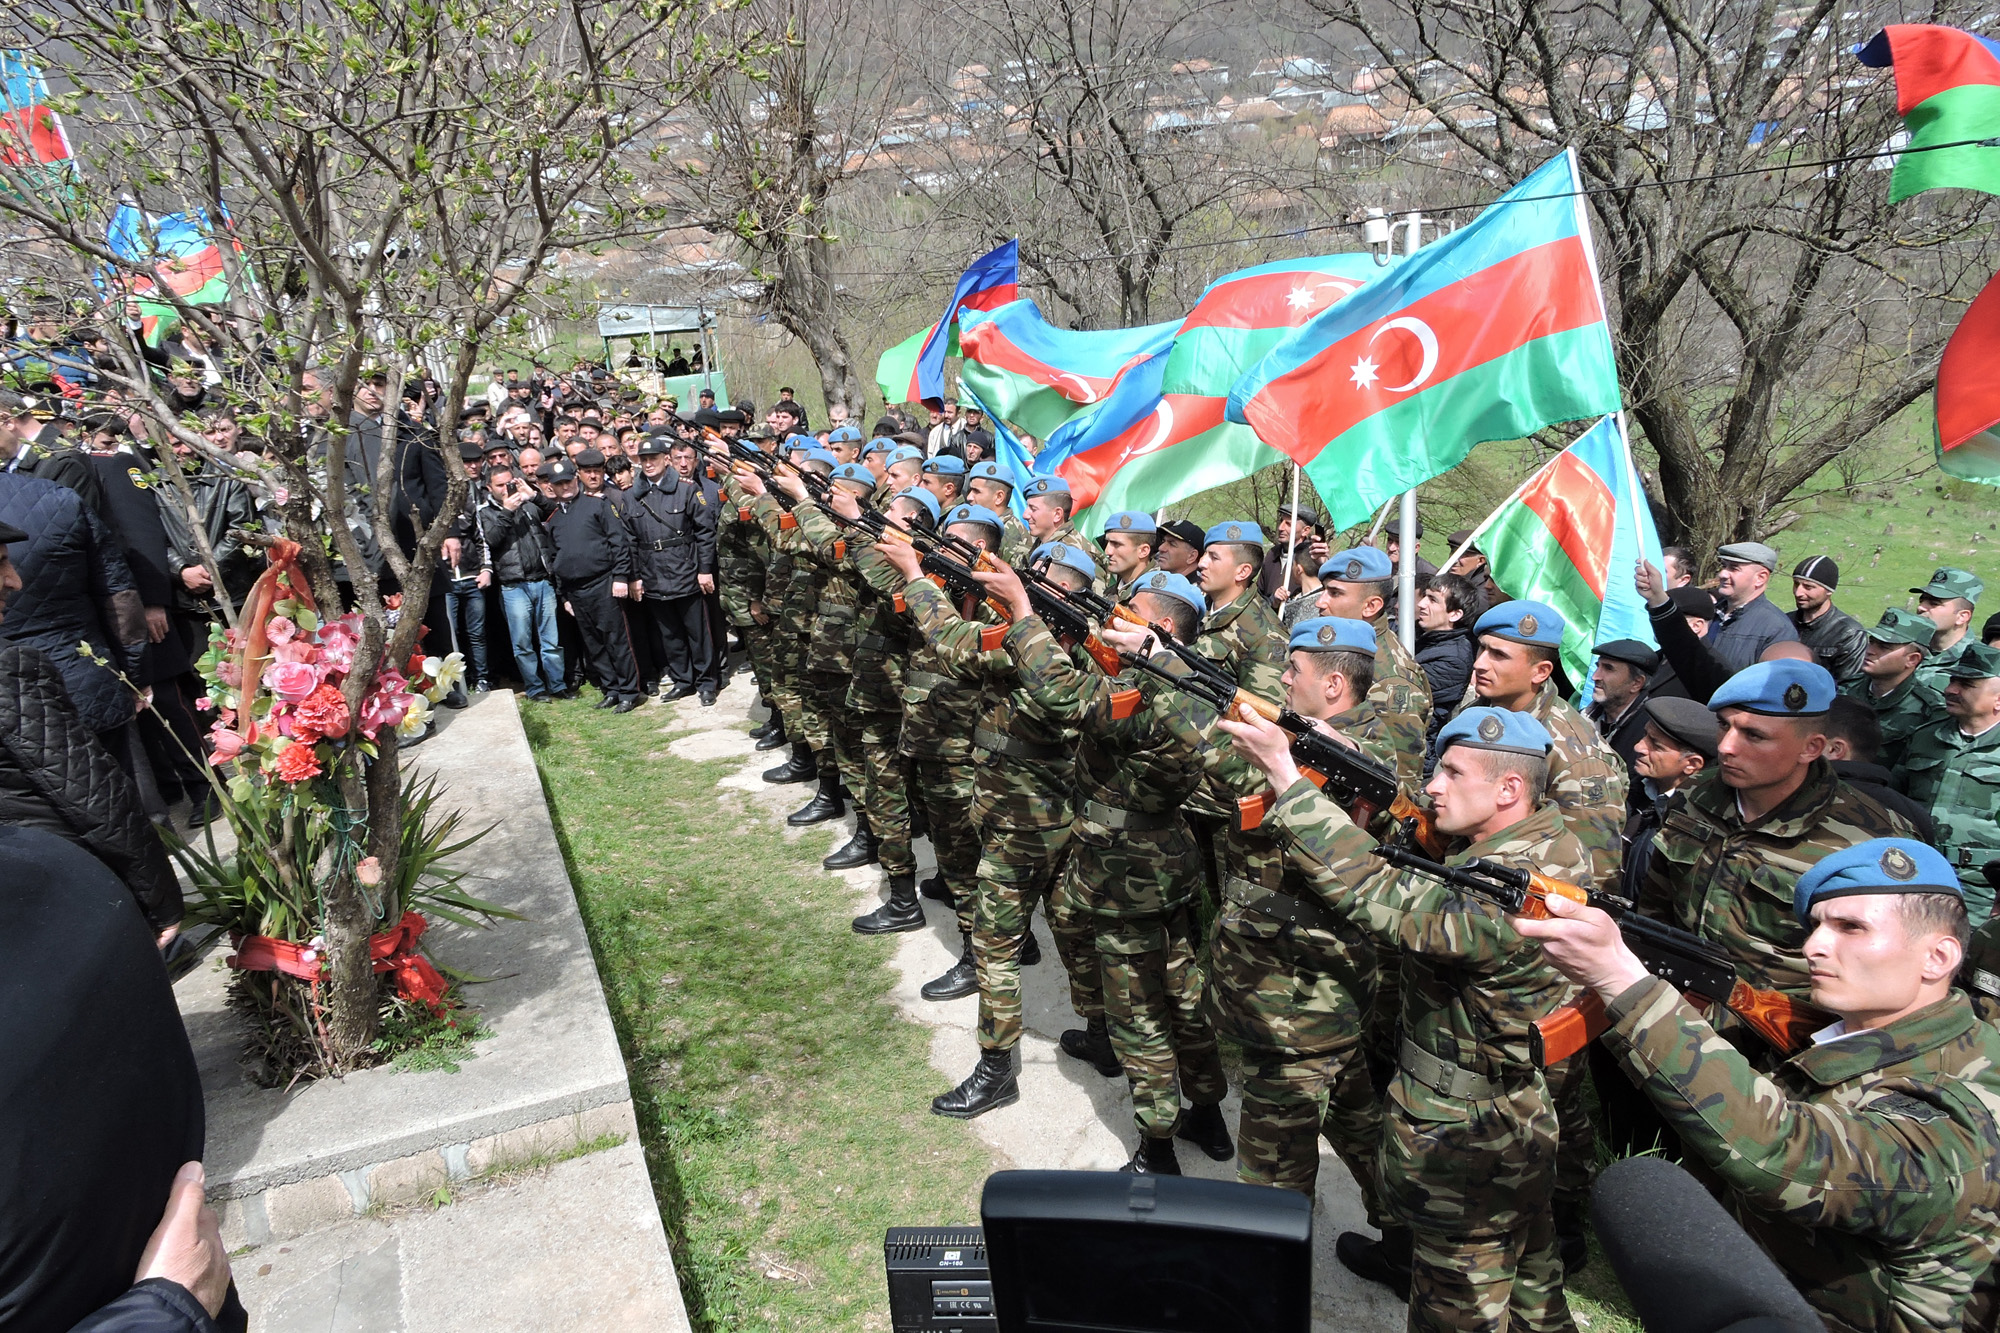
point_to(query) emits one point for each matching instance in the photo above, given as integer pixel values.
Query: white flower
(416, 719)
(446, 672)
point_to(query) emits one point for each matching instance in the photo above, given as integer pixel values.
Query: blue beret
(922, 497)
(818, 453)
(1535, 623)
(793, 442)
(1362, 564)
(974, 514)
(1134, 521)
(1785, 688)
(1241, 532)
(847, 432)
(1880, 865)
(1068, 556)
(1162, 584)
(881, 444)
(991, 470)
(945, 465)
(1332, 634)
(1043, 485)
(854, 472)
(751, 445)
(904, 453)
(1483, 728)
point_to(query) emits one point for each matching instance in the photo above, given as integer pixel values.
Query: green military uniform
(742, 563)
(1864, 1166)
(1244, 639)
(1980, 973)
(1948, 582)
(1732, 882)
(1469, 1136)
(1956, 778)
(1023, 761)
(1015, 543)
(795, 578)
(1127, 893)
(1910, 706)
(830, 645)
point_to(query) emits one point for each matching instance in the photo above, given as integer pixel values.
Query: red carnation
(324, 712)
(298, 763)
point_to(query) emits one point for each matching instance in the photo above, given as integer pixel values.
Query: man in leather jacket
(673, 535)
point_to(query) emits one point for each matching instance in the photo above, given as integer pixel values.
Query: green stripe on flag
(1032, 408)
(1202, 462)
(897, 365)
(1969, 111)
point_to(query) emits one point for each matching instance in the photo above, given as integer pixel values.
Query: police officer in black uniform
(674, 533)
(594, 568)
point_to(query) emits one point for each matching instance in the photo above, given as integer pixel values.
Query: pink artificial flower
(233, 640)
(281, 494)
(228, 744)
(205, 704)
(293, 681)
(386, 706)
(280, 629)
(369, 871)
(298, 650)
(229, 673)
(337, 641)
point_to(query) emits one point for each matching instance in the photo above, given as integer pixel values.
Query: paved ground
(1068, 1116)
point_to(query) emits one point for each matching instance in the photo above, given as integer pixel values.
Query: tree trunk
(350, 983)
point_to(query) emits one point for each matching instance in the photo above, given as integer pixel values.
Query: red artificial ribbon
(254, 621)
(394, 950)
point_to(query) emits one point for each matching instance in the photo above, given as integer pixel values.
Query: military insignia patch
(1795, 696)
(1491, 728)
(1528, 625)
(139, 479)
(1905, 1107)
(1353, 569)
(1059, 553)
(1159, 581)
(1899, 865)
(1327, 634)
(1124, 520)
(1940, 576)
(1233, 533)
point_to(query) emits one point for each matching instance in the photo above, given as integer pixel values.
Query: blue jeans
(531, 626)
(465, 603)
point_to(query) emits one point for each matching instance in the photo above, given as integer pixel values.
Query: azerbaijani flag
(913, 370)
(1083, 365)
(1947, 91)
(1487, 334)
(179, 258)
(1570, 536)
(32, 140)
(1010, 453)
(1968, 393)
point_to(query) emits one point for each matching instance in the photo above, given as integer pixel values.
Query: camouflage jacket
(1401, 694)
(1024, 756)
(742, 554)
(939, 709)
(1901, 713)
(1936, 669)
(1243, 639)
(1865, 1166)
(1957, 779)
(836, 631)
(1979, 975)
(799, 597)
(1733, 883)
(1588, 782)
(1015, 544)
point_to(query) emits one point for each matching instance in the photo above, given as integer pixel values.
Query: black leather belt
(1130, 820)
(1307, 913)
(1007, 745)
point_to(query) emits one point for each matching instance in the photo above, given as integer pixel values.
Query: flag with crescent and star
(1161, 436)
(1489, 333)
(913, 370)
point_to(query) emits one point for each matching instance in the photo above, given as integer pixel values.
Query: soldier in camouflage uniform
(1023, 764)
(1953, 771)
(829, 660)
(1048, 504)
(807, 727)
(991, 485)
(1864, 1165)
(1468, 1146)
(1127, 894)
(1892, 683)
(1948, 602)
(1130, 537)
(742, 559)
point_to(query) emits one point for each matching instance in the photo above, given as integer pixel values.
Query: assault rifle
(1696, 967)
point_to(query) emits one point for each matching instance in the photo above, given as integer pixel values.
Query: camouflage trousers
(1488, 1284)
(1017, 869)
(1576, 1146)
(760, 647)
(884, 790)
(1289, 1102)
(803, 720)
(828, 692)
(944, 789)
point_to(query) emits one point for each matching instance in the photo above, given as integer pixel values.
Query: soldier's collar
(1865, 1052)
(1792, 819)
(1543, 824)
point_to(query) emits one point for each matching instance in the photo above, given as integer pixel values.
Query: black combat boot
(937, 891)
(990, 1086)
(1153, 1157)
(961, 978)
(902, 911)
(823, 806)
(770, 724)
(1386, 1261)
(775, 735)
(1031, 952)
(1572, 1239)
(1204, 1127)
(1091, 1044)
(858, 850)
(801, 767)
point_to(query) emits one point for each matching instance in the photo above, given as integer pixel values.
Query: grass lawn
(783, 1105)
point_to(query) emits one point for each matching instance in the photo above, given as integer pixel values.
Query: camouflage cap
(1975, 662)
(1948, 581)
(1879, 865)
(1900, 626)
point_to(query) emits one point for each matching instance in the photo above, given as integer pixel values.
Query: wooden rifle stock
(1785, 1023)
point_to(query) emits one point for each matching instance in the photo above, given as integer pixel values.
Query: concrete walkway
(1069, 1117)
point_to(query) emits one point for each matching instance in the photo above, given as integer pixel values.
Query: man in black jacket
(594, 568)
(673, 531)
(1445, 646)
(1838, 641)
(520, 555)
(1621, 683)
(1853, 747)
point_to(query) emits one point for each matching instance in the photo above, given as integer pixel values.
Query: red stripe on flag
(34, 130)
(1544, 290)
(992, 298)
(1968, 391)
(987, 345)
(1579, 510)
(1266, 301)
(1179, 417)
(1931, 59)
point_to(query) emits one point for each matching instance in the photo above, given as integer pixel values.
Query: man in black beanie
(1838, 641)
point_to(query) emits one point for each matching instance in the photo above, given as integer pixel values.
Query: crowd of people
(1811, 795)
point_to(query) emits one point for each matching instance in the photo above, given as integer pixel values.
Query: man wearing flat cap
(1863, 1165)
(1749, 623)
(1727, 862)
(1473, 569)
(1953, 770)
(1620, 684)
(1838, 641)
(1179, 551)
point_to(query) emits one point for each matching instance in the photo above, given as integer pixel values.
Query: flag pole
(1292, 545)
(1406, 540)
